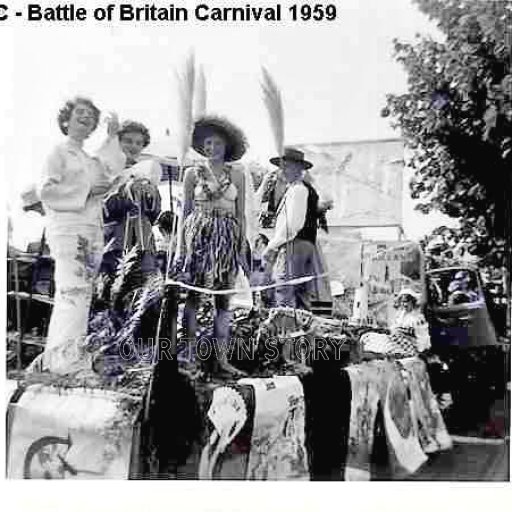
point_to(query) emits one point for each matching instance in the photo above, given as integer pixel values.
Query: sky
(334, 77)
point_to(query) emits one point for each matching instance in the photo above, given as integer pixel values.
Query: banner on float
(69, 434)
(363, 178)
(389, 267)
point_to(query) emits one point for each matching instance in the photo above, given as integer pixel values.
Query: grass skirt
(212, 249)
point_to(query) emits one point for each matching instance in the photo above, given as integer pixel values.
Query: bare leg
(221, 332)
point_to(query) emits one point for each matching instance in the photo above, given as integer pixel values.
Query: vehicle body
(452, 298)
(456, 308)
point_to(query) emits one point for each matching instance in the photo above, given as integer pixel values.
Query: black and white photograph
(258, 241)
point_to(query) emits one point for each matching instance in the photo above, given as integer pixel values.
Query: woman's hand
(325, 205)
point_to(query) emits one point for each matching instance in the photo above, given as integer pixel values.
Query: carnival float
(339, 393)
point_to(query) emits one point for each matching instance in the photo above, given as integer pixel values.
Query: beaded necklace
(222, 183)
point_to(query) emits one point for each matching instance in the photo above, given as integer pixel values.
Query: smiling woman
(131, 209)
(213, 230)
(71, 189)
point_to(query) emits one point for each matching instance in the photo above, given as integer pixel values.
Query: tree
(457, 119)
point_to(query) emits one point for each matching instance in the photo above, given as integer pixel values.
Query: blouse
(73, 184)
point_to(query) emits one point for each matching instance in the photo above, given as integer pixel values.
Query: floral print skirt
(77, 254)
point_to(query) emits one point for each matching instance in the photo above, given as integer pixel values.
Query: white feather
(200, 94)
(185, 122)
(273, 103)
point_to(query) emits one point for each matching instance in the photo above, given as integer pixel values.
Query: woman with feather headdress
(213, 232)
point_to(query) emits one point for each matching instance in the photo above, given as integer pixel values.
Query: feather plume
(274, 105)
(128, 276)
(200, 94)
(185, 122)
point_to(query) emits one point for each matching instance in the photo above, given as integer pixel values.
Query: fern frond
(129, 276)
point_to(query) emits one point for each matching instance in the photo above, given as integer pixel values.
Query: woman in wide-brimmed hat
(213, 232)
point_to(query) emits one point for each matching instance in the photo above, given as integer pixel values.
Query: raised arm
(110, 160)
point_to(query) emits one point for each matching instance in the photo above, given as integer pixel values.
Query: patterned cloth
(366, 381)
(412, 420)
(432, 432)
(278, 449)
(409, 336)
(212, 249)
(77, 258)
(258, 431)
(406, 455)
(58, 433)
(228, 415)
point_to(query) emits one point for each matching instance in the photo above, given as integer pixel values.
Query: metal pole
(18, 310)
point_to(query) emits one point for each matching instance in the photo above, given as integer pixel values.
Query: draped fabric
(406, 454)
(366, 381)
(432, 432)
(324, 426)
(413, 423)
(258, 431)
(278, 449)
(333, 424)
(57, 433)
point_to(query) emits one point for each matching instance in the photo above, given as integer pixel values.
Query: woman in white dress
(72, 189)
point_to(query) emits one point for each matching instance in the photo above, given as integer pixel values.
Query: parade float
(317, 403)
(349, 413)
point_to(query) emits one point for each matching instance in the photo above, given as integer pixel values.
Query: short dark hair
(66, 111)
(135, 127)
(261, 238)
(165, 221)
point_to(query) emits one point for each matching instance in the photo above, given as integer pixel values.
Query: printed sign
(68, 434)
(388, 267)
(363, 178)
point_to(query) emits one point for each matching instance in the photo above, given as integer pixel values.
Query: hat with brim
(236, 143)
(292, 155)
(408, 292)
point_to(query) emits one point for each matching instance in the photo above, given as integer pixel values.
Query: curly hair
(134, 127)
(66, 111)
